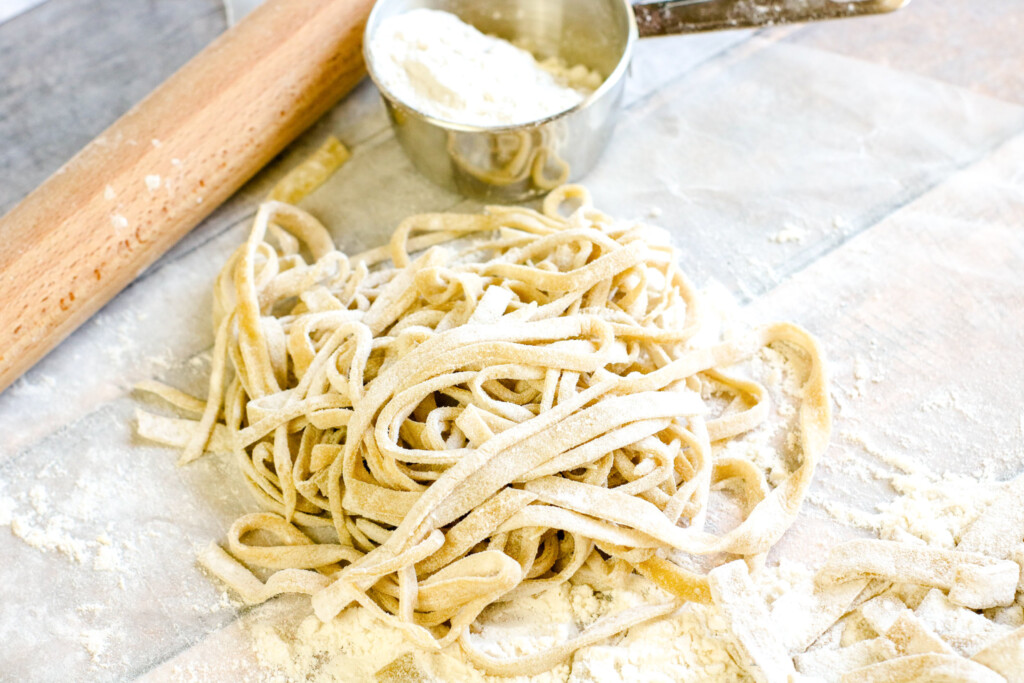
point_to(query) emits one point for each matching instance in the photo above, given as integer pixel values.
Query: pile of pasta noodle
(483, 409)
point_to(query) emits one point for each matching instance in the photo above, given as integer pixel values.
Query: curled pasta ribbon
(527, 156)
(486, 407)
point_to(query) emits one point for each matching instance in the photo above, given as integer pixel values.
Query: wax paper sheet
(12, 8)
(879, 208)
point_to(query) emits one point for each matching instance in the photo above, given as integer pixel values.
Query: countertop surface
(863, 178)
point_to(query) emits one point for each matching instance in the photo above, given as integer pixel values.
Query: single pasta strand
(312, 173)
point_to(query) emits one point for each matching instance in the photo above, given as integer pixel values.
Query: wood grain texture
(112, 210)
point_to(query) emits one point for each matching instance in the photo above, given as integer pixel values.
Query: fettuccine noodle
(481, 410)
(528, 157)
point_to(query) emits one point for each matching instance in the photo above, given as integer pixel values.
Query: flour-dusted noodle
(758, 641)
(937, 668)
(1005, 655)
(807, 611)
(829, 665)
(912, 637)
(312, 173)
(973, 580)
(1000, 527)
(481, 410)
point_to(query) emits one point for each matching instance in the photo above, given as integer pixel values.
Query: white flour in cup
(441, 66)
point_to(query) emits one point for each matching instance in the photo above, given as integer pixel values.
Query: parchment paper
(908, 195)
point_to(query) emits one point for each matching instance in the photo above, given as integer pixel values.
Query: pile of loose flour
(689, 646)
(441, 66)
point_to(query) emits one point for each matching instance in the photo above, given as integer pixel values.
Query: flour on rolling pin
(441, 66)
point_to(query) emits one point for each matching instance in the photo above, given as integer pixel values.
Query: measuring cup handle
(670, 17)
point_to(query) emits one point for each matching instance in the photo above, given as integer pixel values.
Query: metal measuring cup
(519, 162)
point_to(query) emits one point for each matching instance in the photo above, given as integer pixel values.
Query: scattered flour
(790, 234)
(437, 64)
(841, 224)
(934, 508)
(37, 523)
(7, 507)
(107, 559)
(350, 648)
(767, 445)
(37, 498)
(689, 646)
(929, 507)
(95, 642)
(52, 535)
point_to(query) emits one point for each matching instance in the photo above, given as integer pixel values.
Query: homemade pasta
(481, 410)
(528, 157)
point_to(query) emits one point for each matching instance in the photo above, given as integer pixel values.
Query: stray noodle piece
(1005, 655)
(936, 668)
(928, 622)
(479, 411)
(311, 173)
(760, 646)
(1001, 526)
(973, 580)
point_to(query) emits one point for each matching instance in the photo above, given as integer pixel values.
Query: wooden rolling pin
(110, 212)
